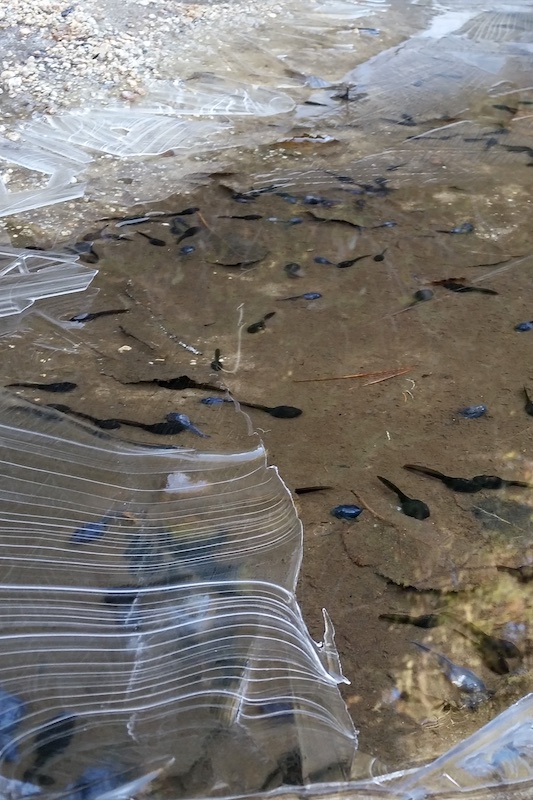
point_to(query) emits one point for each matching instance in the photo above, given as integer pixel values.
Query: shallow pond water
(405, 168)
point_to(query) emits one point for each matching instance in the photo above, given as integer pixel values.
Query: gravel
(56, 55)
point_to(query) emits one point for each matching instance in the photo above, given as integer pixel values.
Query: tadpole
(153, 240)
(467, 485)
(523, 574)
(216, 363)
(166, 428)
(305, 296)
(409, 506)
(60, 388)
(281, 412)
(255, 327)
(421, 621)
(247, 217)
(104, 424)
(293, 270)
(311, 489)
(188, 233)
(452, 286)
(51, 739)
(89, 316)
(352, 261)
(528, 407)
(465, 227)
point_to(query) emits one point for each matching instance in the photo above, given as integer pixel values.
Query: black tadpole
(166, 428)
(421, 621)
(465, 227)
(293, 270)
(186, 212)
(468, 485)
(255, 327)
(184, 382)
(177, 384)
(188, 233)
(455, 286)
(281, 412)
(495, 482)
(312, 215)
(409, 506)
(248, 217)
(153, 240)
(85, 251)
(216, 363)
(523, 574)
(104, 424)
(89, 316)
(311, 489)
(51, 740)
(352, 261)
(61, 387)
(528, 407)
(456, 484)
(494, 652)
(459, 287)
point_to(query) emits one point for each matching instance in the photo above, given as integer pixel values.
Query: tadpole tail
(183, 382)
(280, 412)
(104, 424)
(393, 488)
(422, 621)
(310, 489)
(422, 647)
(523, 574)
(433, 473)
(258, 406)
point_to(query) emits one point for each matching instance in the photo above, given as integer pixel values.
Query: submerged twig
(381, 375)
(371, 511)
(387, 377)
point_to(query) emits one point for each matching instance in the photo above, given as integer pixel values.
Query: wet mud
(395, 193)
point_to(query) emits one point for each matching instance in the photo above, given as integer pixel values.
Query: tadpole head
(285, 412)
(422, 295)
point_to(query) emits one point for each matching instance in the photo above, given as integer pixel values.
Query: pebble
(101, 51)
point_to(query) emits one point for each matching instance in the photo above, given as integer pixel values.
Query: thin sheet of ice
(126, 132)
(164, 625)
(500, 753)
(29, 275)
(211, 95)
(160, 125)
(62, 163)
